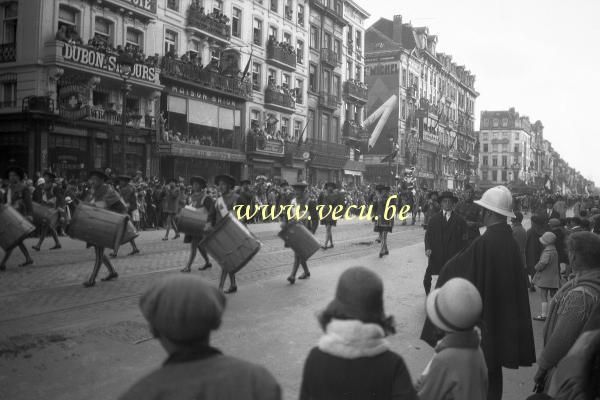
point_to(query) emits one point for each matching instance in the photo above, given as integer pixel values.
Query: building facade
(215, 87)
(431, 124)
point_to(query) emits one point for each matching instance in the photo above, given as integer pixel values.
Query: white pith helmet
(499, 200)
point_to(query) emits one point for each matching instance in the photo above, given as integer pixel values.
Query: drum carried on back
(14, 227)
(299, 239)
(192, 221)
(98, 226)
(43, 215)
(231, 244)
(130, 233)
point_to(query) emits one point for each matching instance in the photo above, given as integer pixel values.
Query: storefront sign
(198, 151)
(430, 137)
(384, 69)
(146, 5)
(98, 60)
(195, 94)
(72, 100)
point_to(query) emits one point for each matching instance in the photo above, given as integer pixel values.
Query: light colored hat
(499, 200)
(548, 238)
(183, 309)
(40, 181)
(455, 307)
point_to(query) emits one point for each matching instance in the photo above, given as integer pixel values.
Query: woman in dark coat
(199, 200)
(353, 359)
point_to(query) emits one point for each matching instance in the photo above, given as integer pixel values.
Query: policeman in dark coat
(19, 197)
(446, 235)
(494, 265)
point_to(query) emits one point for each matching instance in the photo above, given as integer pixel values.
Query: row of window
(496, 148)
(498, 135)
(485, 175)
(330, 125)
(504, 161)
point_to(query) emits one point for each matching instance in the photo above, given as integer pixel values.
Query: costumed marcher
(129, 197)
(45, 194)
(572, 305)
(202, 202)
(246, 198)
(383, 225)
(223, 206)
(407, 199)
(171, 207)
(18, 197)
(471, 213)
(547, 273)
(102, 195)
(304, 203)
(493, 264)
(430, 208)
(353, 359)
(329, 200)
(457, 369)
(446, 235)
(182, 311)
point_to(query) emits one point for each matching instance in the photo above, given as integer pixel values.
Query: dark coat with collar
(494, 265)
(444, 239)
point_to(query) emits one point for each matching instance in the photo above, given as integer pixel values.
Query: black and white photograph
(299, 200)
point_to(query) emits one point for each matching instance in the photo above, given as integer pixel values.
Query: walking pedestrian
(353, 359)
(304, 203)
(446, 235)
(493, 264)
(224, 204)
(127, 193)
(384, 224)
(171, 207)
(457, 369)
(45, 195)
(471, 214)
(205, 205)
(182, 311)
(329, 200)
(547, 273)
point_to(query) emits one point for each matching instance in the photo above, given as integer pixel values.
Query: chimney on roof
(397, 29)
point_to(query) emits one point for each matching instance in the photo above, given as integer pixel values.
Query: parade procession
(297, 199)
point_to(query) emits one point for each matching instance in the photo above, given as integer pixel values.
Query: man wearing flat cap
(224, 204)
(446, 235)
(17, 196)
(182, 311)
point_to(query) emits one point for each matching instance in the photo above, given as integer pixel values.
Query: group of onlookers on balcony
(196, 13)
(283, 89)
(68, 34)
(358, 83)
(285, 46)
(170, 137)
(260, 136)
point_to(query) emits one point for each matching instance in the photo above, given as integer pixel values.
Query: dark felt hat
(201, 181)
(17, 170)
(447, 195)
(230, 180)
(330, 185)
(99, 173)
(284, 184)
(380, 186)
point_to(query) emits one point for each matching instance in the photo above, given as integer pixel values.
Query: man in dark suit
(446, 235)
(550, 212)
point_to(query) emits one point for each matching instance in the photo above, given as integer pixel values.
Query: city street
(59, 340)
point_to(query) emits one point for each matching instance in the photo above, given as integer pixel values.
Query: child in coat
(457, 369)
(547, 273)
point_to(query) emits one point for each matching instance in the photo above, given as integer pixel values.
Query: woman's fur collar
(353, 339)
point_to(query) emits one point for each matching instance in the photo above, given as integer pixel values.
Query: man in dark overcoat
(446, 235)
(494, 265)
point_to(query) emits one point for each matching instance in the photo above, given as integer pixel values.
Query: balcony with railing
(354, 131)
(38, 104)
(213, 25)
(330, 58)
(326, 148)
(260, 144)
(279, 100)
(356, 90)
(281, 55)
(331, 8)
(329, 101)
(501, 141)
(110, 117)
(8, 52)
(206, 78)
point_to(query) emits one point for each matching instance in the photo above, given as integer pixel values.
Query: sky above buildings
(539, 56)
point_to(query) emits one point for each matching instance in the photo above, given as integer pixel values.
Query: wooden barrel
(43, 215)
(130, 233)
(231, 244)
(300, 239)
(192, 221)
(98, 226)
(13, 227)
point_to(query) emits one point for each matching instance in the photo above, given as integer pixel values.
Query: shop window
(314, 37)
(135, 39)
(285, 127)
(297, 130)
(218, 6)
(255, 119)
(273, 33)
(9, 31)
(100, 98)
(299, 90)
(68, 23)
(103, 31)
(9, 94)
(287, 37)
(274, 5)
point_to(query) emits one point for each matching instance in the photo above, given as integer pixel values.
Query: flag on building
(247, 65)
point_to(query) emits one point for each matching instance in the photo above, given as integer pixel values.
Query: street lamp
(126, 64)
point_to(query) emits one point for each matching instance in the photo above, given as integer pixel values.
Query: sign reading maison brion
(95, 59)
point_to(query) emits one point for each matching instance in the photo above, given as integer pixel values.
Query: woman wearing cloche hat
(353, 359)
(547, 273)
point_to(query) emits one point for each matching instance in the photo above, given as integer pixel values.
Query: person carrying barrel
(129, 197)
(201, 201)
(17, 196)
(303, 201)
(105, 196)
(45, 194)
(224, 204)
(329, 199)
(382, 224)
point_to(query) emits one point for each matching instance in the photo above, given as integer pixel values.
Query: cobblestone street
(76, 343)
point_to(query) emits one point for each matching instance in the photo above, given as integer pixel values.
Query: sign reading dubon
(106, 62)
